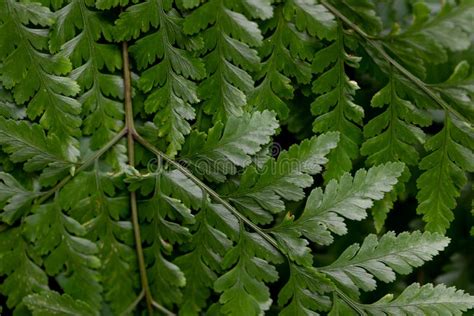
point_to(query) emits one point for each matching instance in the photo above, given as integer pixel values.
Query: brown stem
(131, 161)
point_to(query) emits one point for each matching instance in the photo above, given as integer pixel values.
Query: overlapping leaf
(263, 191)
(37, 78)
(170, 68)
(78, 34)
(228, 146)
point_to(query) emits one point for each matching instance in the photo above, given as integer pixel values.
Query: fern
(229, 56)
(36, 77)
(76, 35)
(220, 200)
(169, 82)
(334, 108)
(358, 265)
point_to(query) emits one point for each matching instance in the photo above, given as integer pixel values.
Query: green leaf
(202, 262)
(69, 257)
(228, 57)
(163, 219)
(170, 69)
(90, 199)
(228, 146)
(19, 268)
(28, 143)
(243, 286)
(261, 192)
(349, 198)
(428, 38)
(53, 303)
(450, 154)
(357, 266)
(285, 54)
(312, 18)
(77, 35)
(37, 77)
(392, 135)
(362, 13)
(334, 108)
(423, 300)
(305, 292)
(15, 199)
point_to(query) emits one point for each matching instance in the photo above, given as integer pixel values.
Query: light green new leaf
(349, 198)
(426, 300)
(357, 266)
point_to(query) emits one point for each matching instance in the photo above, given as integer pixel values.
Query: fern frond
(227, 147)
(306, 291)
(325, 211)
(203, 260)
(249, 266)
(28, 144)
(169, 67)
(8, 108)
(311, 17)
(19, 266)
(392, 135)
(68, 256)
(444, 176)
(261, 192)
(163, 225)
(285, 53)
(76, 35)
(423, 300)
(37, 77)
(229, 57)
(360, 12)
(101, 213)
(334, 108)
(428, 39)
(15, 199)
(357, 266)
(51, 303)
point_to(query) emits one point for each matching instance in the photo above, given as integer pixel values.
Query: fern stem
(83, 165)
(207, 189)
(131, 161)
(379, 48)
(132, 306)
(353, 304)
(162, 309)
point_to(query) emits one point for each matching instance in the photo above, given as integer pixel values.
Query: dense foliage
(208, 156)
